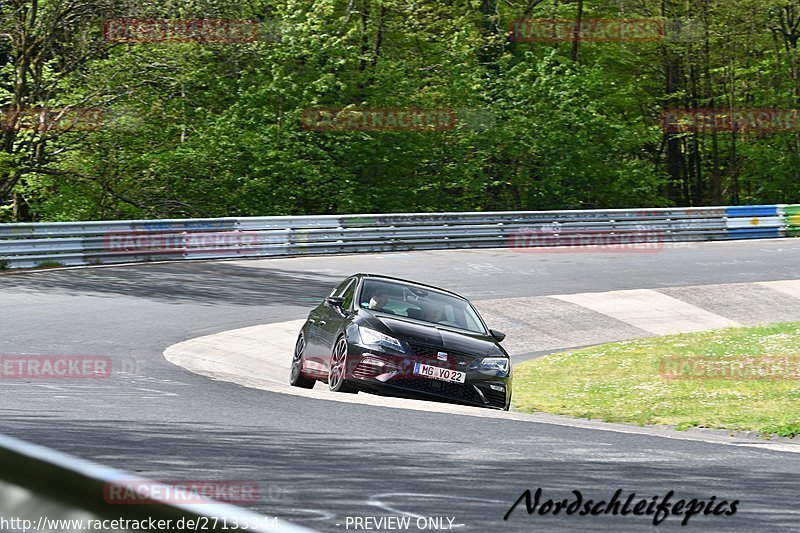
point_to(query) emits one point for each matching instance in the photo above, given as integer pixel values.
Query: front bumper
(393, 375)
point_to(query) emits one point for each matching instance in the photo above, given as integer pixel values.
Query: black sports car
(396, 337)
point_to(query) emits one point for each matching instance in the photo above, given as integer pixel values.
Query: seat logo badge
(441, 356)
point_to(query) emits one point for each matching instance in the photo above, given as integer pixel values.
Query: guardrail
(45, 490)
(82, 243)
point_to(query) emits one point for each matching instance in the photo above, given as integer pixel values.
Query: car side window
(339, 290)
(348, 294)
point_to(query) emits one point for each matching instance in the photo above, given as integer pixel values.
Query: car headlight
(370, 336)
(495, 364)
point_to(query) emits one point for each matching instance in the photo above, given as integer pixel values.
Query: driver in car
(377, 301)
(433, 312)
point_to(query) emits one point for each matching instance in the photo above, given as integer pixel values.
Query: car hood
(441, 337)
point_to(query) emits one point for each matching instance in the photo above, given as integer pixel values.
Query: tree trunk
(576, 38)
(21, 211)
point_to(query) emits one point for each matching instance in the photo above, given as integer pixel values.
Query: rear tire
(338, 371)
(296, 377)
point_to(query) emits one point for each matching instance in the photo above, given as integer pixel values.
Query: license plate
(438, 373)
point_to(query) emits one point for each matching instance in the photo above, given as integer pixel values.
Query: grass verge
(747, 379)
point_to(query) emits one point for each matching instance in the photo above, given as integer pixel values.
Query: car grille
(457, 391)
(365, 370)
(457, 360)
(496, 398)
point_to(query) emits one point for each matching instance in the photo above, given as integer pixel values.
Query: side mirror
(334, 301)
(498, 335)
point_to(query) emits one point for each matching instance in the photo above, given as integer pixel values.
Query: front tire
(296, 378)
(338, 371)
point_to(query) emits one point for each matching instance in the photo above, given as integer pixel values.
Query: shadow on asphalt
(318, 479)
(199, 283)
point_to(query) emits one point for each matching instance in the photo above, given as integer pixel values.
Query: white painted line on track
(651, 311)
(316, 514)
(377, 501)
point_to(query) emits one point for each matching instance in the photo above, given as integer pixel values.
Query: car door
(335, 319)
(314, 363)
(316, 339)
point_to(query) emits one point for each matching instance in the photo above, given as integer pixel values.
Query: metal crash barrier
(133, 241)
(45, 490)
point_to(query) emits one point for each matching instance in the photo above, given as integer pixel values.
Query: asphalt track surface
(320, 462)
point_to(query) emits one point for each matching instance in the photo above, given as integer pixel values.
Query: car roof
(409, 282)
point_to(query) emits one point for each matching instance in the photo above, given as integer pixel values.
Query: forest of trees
(208, 129)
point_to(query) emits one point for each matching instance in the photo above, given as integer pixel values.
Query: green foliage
(49, 264)
(786, 430)
(209, 129)
(630, 382)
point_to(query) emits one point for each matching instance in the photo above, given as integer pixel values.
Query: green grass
(49, 264)
(621, 382)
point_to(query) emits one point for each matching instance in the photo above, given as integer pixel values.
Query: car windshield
(420, 304)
